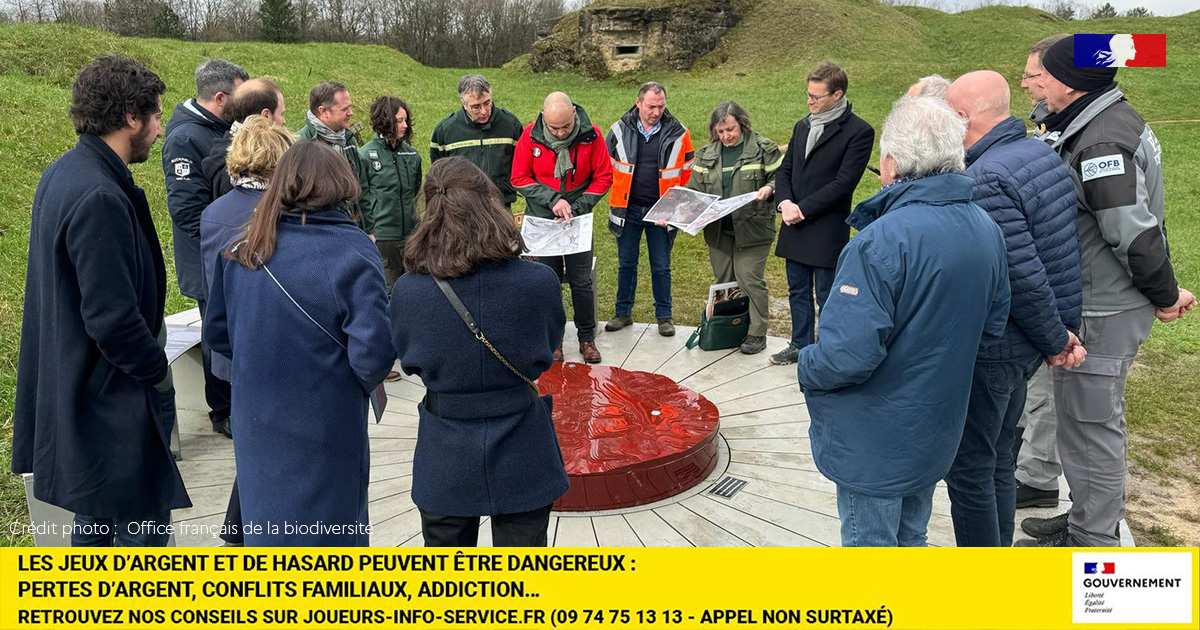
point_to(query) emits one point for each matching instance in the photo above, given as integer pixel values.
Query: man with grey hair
(194, 126)
(1031, 82)
(934, 85)
(888, 380)
(482, 132)
(1024, 186)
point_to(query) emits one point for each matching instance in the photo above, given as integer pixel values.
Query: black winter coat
(213, 167)
(490, 448)
(191, 132)
(823, 186)
(87, 416)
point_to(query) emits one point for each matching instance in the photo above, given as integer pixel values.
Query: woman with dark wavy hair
(392, 177)
(486, 443)
(297, 303)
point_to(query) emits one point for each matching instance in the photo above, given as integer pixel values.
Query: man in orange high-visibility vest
(651, 151)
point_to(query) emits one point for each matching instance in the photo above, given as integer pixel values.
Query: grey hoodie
(1115, 162)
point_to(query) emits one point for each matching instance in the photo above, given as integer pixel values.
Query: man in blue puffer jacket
(1022, 183)
(888, 380)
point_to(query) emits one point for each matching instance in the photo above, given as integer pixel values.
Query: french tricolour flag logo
(1099, 567)
(1121, 51)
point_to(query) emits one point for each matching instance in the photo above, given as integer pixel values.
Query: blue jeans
(153, 530)
(869, 521)
(659, 242)
(803, 280)
(982, 481)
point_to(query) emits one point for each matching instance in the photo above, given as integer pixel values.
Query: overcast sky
(1158, 7)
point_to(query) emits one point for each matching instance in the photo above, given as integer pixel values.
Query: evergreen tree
(1106, 10)
(278, 21)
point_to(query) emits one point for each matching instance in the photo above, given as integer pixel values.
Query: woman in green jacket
(393, 177)
(735, 162)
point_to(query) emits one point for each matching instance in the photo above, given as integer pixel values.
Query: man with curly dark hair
(89, 416)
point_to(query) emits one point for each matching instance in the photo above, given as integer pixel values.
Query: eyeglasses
(1025, 76)
(815, 99)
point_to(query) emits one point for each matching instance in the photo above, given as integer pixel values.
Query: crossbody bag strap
(378, 397)
(474, 328)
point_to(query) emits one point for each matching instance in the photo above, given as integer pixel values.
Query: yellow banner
(579, 588)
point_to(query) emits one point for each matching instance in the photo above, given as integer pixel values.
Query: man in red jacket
(561, 167)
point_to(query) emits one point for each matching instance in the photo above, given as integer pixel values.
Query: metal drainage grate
(728, 487)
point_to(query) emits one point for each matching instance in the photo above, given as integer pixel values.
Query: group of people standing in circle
(318, 263)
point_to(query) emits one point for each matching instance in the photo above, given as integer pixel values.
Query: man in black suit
(825, 159)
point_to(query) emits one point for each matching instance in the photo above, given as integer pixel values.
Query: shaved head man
(558, 112)
(1026, 189)
(982, 99)
(561, 167)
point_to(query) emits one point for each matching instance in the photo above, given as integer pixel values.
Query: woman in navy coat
(298, 304)
(486, 443)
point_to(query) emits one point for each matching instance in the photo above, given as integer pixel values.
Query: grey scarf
(327, 135)
(561, 148)
(817, 122)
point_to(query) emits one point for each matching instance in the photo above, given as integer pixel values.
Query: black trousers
(217, 392)
(233, 518)
(576, 270)
(524, 529)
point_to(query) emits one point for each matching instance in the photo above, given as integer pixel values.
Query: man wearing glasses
(1038, 468)
(1032, 84)
(825, 158)
(481, 132)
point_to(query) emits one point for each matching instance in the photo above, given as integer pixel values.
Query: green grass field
(761, 64)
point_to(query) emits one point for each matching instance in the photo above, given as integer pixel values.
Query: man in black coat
(825, 159)
(88, 420)
(254, 97)
(193, 128)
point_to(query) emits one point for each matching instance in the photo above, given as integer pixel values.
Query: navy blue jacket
(191, 132)
(222, 220)
(1025, 187)
(888, 380)
(299, 394)
(87, 420)
(491, 448)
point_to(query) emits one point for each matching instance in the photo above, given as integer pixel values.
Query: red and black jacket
(583, 186)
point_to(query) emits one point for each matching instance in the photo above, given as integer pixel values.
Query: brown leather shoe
(392, 377)
(558, 357)
(589, 351)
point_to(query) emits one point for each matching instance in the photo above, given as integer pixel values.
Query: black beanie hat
(1059, 61)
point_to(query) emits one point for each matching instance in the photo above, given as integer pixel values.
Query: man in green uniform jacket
(392, 171)
(482, 133)
(328, 121)
(738, 161)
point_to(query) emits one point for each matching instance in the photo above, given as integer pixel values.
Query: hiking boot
(220, 424)
(1061, 539)
(391, 377)
(1044, 527)
(787, 356)
(557, 356)
(753, 344)
(589, 351)
(618, 322)
(1028, 496)
(666, 327)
